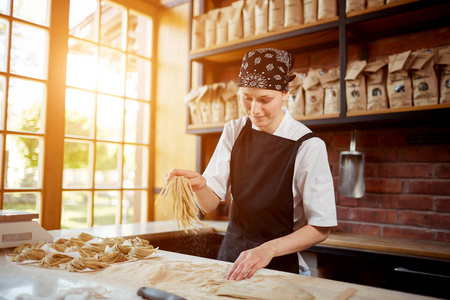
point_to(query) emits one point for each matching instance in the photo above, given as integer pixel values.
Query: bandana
(266, 68)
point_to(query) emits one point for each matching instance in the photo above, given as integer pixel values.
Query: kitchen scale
(17, 227)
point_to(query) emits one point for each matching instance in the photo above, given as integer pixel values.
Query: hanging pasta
(178, 196)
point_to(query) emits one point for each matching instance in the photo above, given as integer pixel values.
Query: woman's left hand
(250, 261)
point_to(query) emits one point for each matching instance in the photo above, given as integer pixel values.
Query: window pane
(81, 64)
(23, 162)
(135, 166)
(106, 208)
(137, 121)
(108, 165)
(25, 101)
(3, 43)
(134, 209)
(80, 109)
(4, 7)
(109, 118)
(22, 201)
(111, 71)
(112, 25)
(83, 19)
(140, 34)
(75, 209)
(77, 164)
(29, 50)
(138, 78)
(2, 99)
(35, 11)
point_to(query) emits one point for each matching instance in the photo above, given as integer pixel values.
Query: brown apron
(261, 174)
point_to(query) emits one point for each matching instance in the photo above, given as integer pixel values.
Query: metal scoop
(351, 171)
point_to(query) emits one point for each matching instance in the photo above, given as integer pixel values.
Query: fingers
(244, 267)
(196, 179)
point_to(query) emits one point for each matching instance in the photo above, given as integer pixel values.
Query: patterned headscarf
(266, 68)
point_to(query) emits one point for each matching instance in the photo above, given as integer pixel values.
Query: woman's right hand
(204, 195)
(196, 179)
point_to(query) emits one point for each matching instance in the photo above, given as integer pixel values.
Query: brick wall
(407, 185)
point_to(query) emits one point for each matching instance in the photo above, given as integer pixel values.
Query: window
(104, 157)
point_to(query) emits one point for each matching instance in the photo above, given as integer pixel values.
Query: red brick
(368, 215)
(405, 170)
(380, 155)
(424, 154)
(343, 213)
(386, 186)
(370, 170)
(395, 139)
(357, 228)
(443, 171)
(426, 220)
(409, 233)
(431, 187)
(443, 236)
(442, 204)
(346, 201)
(410, 202)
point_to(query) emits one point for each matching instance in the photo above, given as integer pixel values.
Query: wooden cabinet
(340, 33)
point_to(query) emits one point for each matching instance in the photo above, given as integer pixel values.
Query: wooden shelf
(403, 17)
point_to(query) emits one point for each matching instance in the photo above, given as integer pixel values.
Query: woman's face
(263, 107)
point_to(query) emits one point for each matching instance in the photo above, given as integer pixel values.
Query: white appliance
(18, 227)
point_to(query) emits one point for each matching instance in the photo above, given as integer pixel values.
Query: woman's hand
(205, 197)
(196, 179)
(250, 261)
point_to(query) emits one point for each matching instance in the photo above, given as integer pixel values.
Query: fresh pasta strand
(178, 196)
(81, 263)
(53, 260)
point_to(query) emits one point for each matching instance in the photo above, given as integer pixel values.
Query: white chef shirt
(312, 187)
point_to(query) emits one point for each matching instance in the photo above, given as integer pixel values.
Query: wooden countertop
(422, 248)
(164, 229)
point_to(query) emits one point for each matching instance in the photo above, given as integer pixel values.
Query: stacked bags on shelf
(249, 18)
(214, 104)
(410, 78)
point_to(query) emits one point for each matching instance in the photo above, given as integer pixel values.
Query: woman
(278, 173)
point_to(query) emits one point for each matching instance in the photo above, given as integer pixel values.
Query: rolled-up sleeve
(313, 186)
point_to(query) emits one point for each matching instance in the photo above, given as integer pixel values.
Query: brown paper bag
(222, 25)
(235, 23)
(248, 15)
(330, 83)
(399, 86)
(399, 89)
(355, 86)
(194, 107)
(276, 15)
(444, 67)
(355, 5)
(229, 96)
(293, 13)
(198, 32)
(424, 79)
(210, 27)
(261, 17)
(327, 9)
(296, 103)
(204, 103)
(374, 3)
(376, 85)
(314, 94)
(310, 11)
(217, 103)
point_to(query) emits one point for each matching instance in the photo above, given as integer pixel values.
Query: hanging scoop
(351, 171)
